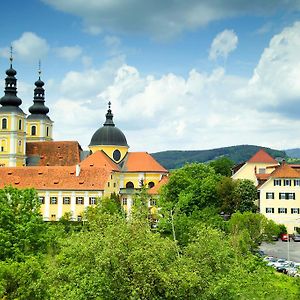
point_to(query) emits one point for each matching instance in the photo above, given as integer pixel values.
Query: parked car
(285, 237)
(296, 237)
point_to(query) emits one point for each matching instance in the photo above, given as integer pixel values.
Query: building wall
(270, 207)
(109, 150)
(53, 206)
(12, 140)
(41, 130)
(247, 171)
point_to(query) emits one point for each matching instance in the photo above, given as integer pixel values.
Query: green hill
(176, 159)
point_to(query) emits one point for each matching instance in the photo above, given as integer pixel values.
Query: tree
(22, 230)
(222, 166)
(250, 229)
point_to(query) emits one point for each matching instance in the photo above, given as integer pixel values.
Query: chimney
(77, 170)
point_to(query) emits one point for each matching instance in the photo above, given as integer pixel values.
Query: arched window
(33, 130)
(20, 124)
(151, 184)
(129, 185)
(4, 123)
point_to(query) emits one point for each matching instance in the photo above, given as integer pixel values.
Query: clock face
(117, 155)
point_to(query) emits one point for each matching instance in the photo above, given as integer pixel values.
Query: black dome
(108, 135)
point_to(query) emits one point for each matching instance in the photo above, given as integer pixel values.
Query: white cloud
(162, 19)
(224, 43)
(30, 47)
(69, 53)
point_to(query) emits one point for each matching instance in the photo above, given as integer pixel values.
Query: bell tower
(12, 123)
(39, 125)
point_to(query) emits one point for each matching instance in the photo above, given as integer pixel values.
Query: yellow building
(278, 187)
(68, 180)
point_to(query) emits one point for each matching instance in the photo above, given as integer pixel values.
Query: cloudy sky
(184, 75)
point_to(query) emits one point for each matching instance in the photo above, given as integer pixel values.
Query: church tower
(39, 125)
(12, 123)
(110, 139)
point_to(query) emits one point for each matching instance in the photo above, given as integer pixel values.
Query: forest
(186, 250)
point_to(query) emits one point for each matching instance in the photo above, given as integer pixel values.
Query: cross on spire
(40, 69)
(11, 55)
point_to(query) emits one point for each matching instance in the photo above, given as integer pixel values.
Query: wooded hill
(176, 159)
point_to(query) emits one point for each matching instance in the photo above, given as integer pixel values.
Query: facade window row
(282, 196)
(67, 200)
(286, 182)
(282, 210)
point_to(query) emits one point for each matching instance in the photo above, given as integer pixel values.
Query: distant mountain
(293, 153)
(176, 159)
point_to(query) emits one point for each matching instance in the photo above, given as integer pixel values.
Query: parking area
(288, 250)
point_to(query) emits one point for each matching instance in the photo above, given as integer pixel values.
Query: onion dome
(10, 101)
(38, 110)
(109, 134)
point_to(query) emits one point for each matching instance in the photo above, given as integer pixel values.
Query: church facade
(66, 179)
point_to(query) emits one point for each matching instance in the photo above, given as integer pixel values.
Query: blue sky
(180, 74)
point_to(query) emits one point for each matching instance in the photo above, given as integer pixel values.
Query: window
(66, 200)
(296, 182)
(270, 210)
(92, 200)
(79, 200)
(108, 184)
(115, 184)
(294, 210)
(261, 171)
(129, 185)
(47, 131)
(2, 149)
(33, 130)
(277, 182)
(124, 201)
(53, 200)
(269, 195)
(151, 184)
(152, 202)
(42, 199)
(287, 196)
(287, 182)
(4, 123)
(282, 210)
(20, 124)
(79, 218)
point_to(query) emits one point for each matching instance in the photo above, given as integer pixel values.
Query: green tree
(222, 166)
(22, 230)
(249, 229)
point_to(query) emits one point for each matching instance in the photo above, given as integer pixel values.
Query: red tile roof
(285, 171)
(262, 176)
(54, 178)
(262, 157)
(100, 159)
(50, 153)
(142, 162)
(156, 188)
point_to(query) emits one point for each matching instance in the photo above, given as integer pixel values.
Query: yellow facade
(39, 130)
(55, 204)
(283, 211)
(250, 170)
(12, 139)
(109, 150)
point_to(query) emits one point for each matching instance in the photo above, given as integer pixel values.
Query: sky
(181, 75)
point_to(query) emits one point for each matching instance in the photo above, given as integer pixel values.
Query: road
(281, 249)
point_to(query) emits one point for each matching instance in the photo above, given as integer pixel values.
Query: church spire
(10, 92)
(39, 107)
(109, 117)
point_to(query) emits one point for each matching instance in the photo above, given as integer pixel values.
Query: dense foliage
(192, 254)
(237, 154)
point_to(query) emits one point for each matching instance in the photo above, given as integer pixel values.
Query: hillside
(176, 159)
(294, 153)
